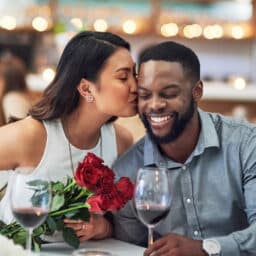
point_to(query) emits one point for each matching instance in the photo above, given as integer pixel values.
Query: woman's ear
(84, 90)
(83, 87)
(197, 91)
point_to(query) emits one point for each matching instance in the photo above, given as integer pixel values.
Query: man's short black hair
(174, 52)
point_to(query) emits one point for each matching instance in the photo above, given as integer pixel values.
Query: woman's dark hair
(174, 52)
(83, 57)
(13, 72)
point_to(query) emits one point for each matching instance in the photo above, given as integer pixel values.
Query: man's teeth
(159, 119)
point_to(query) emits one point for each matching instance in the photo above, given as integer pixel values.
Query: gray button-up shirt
(213, 193)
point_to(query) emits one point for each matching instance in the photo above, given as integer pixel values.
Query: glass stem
(29, 241)
(150, 236)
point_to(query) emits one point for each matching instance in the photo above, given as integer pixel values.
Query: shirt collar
(208, 138)
(208, 135)
(152, 155)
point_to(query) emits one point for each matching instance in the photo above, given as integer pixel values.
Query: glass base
(91, 252)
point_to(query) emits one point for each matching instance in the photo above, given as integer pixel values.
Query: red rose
(106, 182)
(113, 201)
(93, 160)
(93, 174)
(125, 188)
(87, 176)
(95, 203)
(99, 179)
(101, 203)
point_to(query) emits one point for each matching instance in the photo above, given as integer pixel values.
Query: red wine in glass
(30, 217)
(153, 214)
(30, 200)
(152, 197)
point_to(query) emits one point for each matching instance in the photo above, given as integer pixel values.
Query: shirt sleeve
(128, 228)
(243, 242)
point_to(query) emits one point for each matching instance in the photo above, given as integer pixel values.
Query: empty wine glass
(30, 200)
(152, 197)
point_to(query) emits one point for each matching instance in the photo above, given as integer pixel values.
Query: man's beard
(178, 126)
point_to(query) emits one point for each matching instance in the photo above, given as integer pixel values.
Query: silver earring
(89, 98)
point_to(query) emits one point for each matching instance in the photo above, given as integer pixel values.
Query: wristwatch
(211, 247)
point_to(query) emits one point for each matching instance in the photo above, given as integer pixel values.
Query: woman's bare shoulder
(124, 138)
(22, 143)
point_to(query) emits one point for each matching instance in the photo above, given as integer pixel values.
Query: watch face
(211, 246)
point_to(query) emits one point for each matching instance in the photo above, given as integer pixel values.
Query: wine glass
(30, 200)
(152, 197)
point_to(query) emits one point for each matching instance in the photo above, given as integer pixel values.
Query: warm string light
(129, 26)
(40, 24)
(8, 22)
(133, 26)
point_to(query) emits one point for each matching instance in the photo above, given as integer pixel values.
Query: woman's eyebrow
(126, 68)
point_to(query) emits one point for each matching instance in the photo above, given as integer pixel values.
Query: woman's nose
(133, 85)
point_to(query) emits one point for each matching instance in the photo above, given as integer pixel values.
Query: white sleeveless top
(56, 157)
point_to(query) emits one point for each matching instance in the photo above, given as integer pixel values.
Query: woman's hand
(97, 228)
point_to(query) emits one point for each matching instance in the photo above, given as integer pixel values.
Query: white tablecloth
(116, 247)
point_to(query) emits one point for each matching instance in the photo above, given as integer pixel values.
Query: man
(211, 163)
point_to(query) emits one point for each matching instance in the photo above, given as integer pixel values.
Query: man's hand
(175, 245)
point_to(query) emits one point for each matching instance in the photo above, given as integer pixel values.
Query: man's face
(165, 101)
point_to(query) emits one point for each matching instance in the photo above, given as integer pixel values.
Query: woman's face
(115, 91)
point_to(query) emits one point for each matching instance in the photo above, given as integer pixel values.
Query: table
(116, 247)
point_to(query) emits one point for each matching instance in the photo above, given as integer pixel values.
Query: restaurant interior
(221, 32)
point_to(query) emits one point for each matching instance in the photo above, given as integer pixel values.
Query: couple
(210, 158)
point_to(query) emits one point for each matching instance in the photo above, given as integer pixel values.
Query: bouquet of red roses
(99, 179)
(92, 189)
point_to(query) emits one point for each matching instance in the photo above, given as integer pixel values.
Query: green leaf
(2, 224)
(38, 231)
(36, 246)
(58, 187)
(57, 202)
(59, 224)
(38, 184)
(82, 214)
(20, 237)
(51, 223)
(69, 215)
(38, 197)
(70, 237)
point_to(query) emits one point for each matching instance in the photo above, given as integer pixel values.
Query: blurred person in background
(94, 83)
(210, 160)
(16, 98)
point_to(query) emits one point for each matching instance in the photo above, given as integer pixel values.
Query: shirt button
(184, 167)
(161, 164)
(188, 200)
(196, 233)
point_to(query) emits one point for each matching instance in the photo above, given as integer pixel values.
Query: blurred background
(221, 32)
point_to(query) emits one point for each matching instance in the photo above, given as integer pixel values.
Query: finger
(73, 226)
(72, 221)
(163, 251)
(165, 243)
(84, 238)
(84, 230)
(154, 247)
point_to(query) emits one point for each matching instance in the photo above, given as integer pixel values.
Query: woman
(16, 98)
(94, 83)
